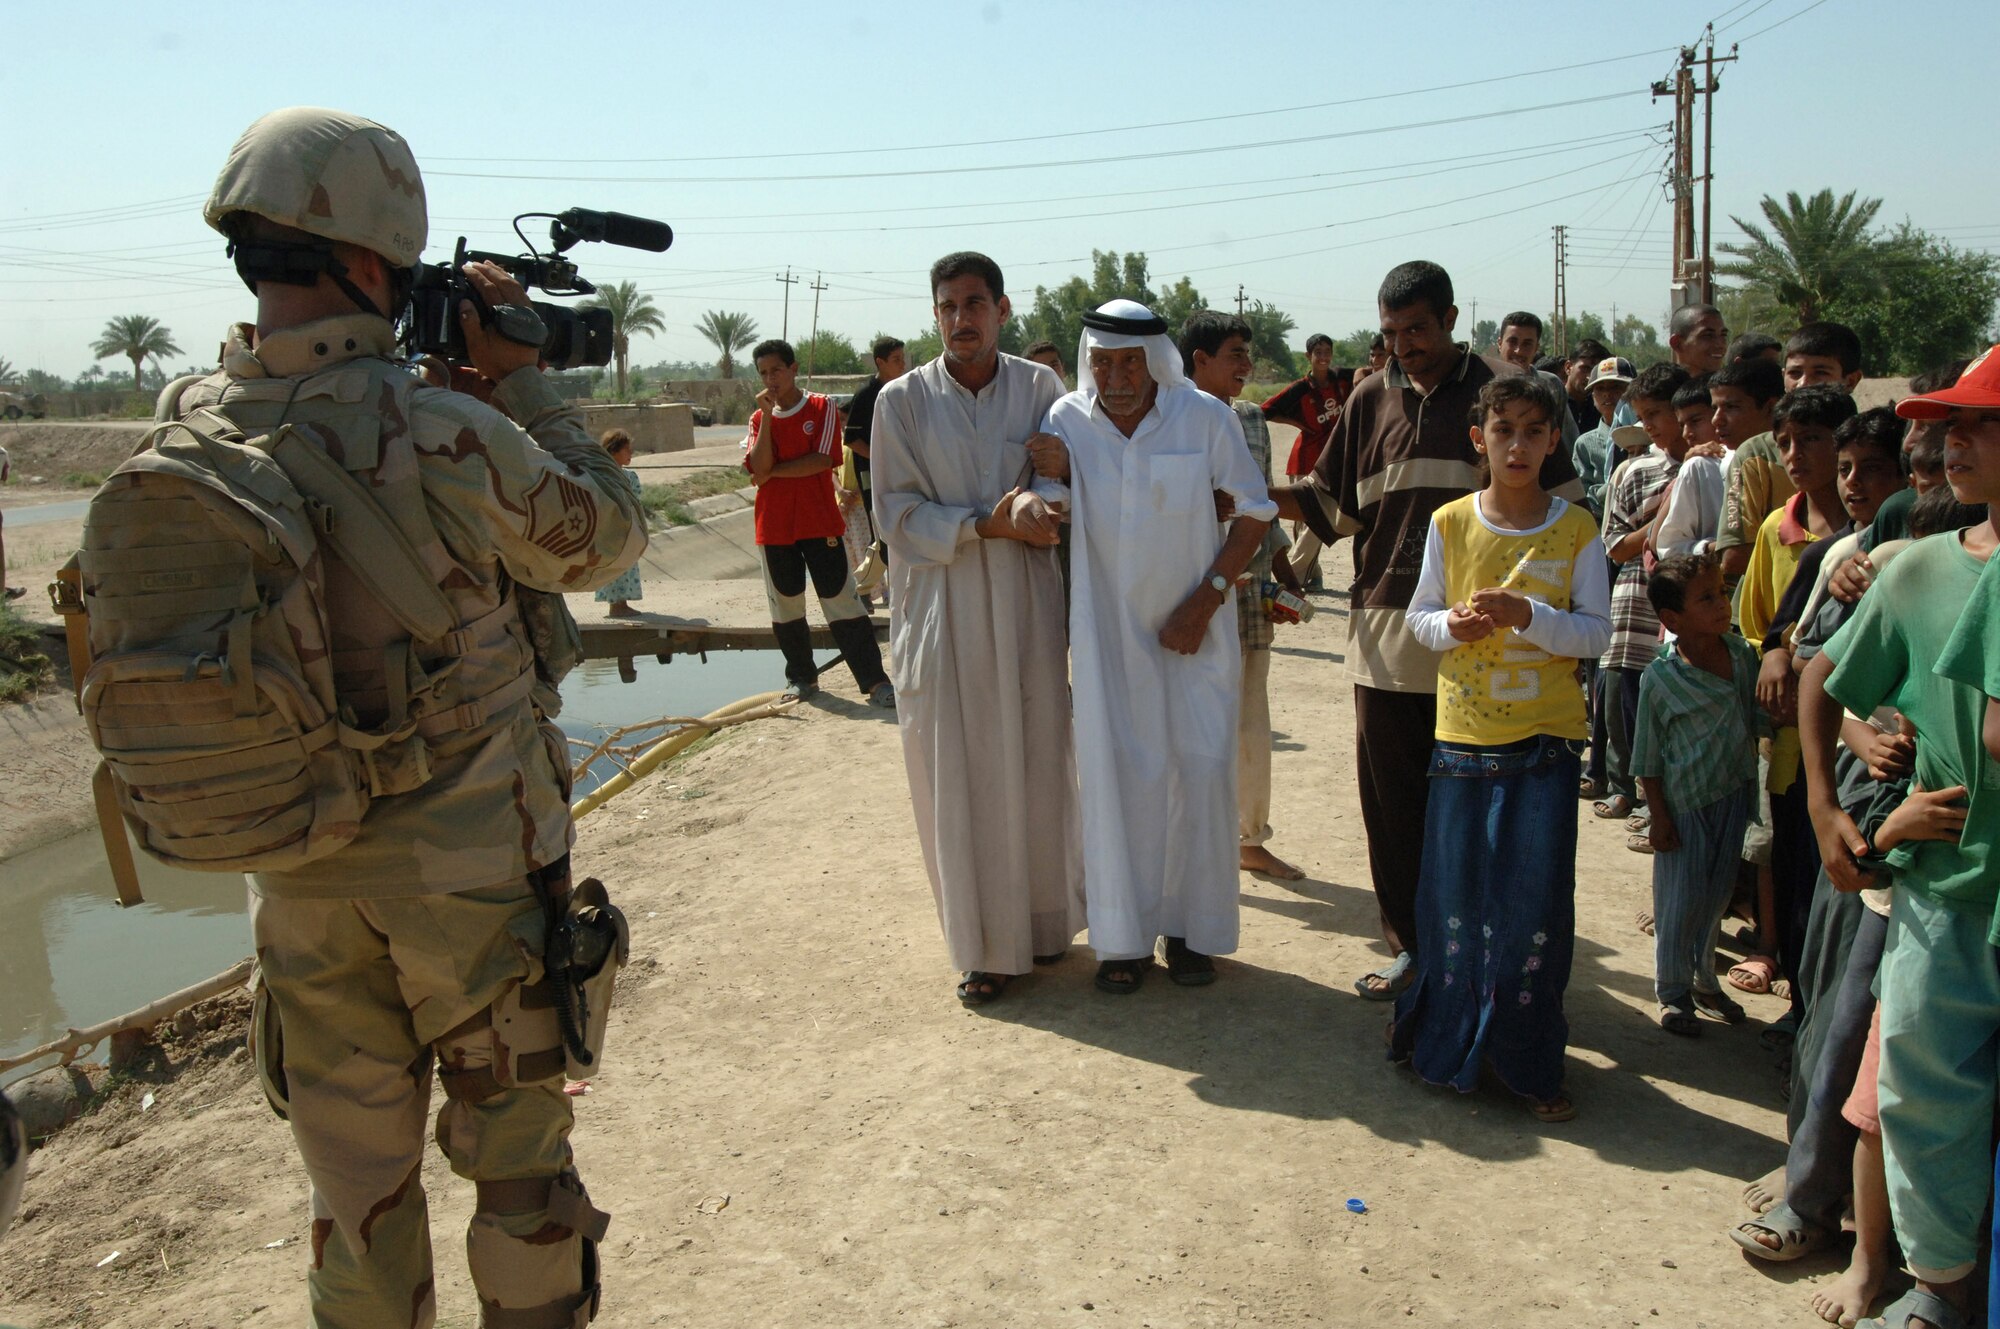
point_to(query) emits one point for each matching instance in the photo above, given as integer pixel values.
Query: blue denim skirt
(1496, 918)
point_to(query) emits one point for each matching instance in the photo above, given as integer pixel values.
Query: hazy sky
(1298, 150)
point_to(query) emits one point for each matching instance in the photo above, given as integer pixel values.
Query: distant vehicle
(14, 405)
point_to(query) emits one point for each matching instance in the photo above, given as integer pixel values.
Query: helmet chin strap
(304, 265)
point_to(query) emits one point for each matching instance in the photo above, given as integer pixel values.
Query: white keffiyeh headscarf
(1118, 324)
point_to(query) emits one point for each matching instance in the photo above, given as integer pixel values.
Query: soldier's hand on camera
(494, 356)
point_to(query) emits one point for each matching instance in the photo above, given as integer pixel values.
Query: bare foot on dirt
(1847, 1298)
(1256, 858)
(620, 609)
(1766, 1191)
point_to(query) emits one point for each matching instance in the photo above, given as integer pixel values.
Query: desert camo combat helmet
(330, 174)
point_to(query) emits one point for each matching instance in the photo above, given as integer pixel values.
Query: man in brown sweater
(1401, 450)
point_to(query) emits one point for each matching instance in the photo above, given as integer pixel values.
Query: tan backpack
(210, 691)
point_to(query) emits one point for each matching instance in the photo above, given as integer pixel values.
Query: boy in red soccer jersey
(793, 449)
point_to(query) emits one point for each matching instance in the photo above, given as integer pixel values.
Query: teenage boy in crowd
(1697, 337)
(1754, 481)
(1687, 526)
(1803, 424)
(1594, 451)
(1823, 353)
(891, 362)
(1312, 404)
(1631, 507)
(1215, 353)
(791, 451)
(1939, 981)
(1583, 359)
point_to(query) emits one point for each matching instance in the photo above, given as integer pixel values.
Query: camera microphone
(617, 228)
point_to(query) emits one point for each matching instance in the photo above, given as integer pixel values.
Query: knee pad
(532, 1248)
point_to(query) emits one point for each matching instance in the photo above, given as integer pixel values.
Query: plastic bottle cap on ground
(1356, 1207)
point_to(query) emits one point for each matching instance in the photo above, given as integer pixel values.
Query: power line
(1503, 113)
(1083, 133)
(1783, 21)
(1043, 218)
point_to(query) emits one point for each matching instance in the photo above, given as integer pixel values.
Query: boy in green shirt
(1940, 977)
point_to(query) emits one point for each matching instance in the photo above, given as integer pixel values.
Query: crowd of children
(1774, 621)
(1797, 665)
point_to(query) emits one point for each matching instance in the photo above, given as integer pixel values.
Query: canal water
(70, 957)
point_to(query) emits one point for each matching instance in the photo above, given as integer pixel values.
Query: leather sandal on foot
(1615, 808)
(979, 987)
(1134, 971)
(1190, 969)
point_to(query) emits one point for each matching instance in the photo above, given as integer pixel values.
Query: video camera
(568, 337)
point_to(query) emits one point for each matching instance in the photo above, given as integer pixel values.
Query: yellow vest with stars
(1503, 689)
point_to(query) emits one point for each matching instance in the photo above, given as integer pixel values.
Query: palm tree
(1816, 251)
(729, 332)
(631, 311)
(6, 369)
(138, 339)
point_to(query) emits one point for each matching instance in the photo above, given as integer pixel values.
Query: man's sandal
(1189, 969)
(1615, 808)
(1134, 971)
(1796, 1237)
(979, 987)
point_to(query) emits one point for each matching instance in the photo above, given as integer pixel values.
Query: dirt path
(786, 1042)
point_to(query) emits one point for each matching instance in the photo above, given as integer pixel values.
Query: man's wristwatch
(1219, 582)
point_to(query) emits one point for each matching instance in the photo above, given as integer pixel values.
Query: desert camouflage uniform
(422, 938)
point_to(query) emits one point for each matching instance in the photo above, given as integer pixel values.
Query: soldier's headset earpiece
(303, 263)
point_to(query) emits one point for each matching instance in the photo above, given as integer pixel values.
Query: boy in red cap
(1939, 982)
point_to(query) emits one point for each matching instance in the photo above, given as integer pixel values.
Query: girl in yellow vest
(1513, 593)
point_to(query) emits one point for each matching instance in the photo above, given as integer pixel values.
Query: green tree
(1485, 334)
(1753, 309)
(1353, 348)
(1058, 311)
(923, 348)
(632, 312)
(1269, 327)
(137, 338)
(828, 353)
(6, 369)
(1937, 305)
(729, 333)
(1815, 251)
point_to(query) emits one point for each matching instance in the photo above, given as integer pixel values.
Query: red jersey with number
(799, 507)
(1315, 410)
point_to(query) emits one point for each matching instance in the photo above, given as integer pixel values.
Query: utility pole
(1692, 276)
(1562, 291)
(812, 347)
(785, 331)
(1708, 86)
(1239, 300)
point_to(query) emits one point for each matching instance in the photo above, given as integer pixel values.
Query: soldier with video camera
(430, 927)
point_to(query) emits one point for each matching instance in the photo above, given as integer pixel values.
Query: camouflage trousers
(359, 1002)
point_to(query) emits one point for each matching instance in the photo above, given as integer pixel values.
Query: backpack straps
(372, 546)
